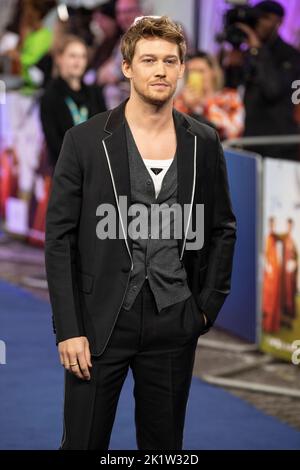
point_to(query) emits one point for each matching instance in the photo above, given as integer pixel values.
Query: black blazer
(87, 276)
(56, 117)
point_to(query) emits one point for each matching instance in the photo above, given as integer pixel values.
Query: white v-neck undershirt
(157, 179)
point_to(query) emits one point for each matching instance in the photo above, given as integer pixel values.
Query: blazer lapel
(115, 147)
(186, 174)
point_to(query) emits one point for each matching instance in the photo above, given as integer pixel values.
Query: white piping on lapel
(192, 200)
(116, 197)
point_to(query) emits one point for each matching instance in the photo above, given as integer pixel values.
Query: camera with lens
(231, 32)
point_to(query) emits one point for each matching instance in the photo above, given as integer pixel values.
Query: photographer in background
(269, 68)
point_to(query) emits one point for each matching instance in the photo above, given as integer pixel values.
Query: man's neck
(148, 117)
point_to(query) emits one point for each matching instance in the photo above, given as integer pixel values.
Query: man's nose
(160, 69)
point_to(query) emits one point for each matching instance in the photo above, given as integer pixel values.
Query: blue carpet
(31, 394)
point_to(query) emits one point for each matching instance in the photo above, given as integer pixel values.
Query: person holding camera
(270, 67)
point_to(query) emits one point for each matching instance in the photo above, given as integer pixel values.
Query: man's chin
(157, 100)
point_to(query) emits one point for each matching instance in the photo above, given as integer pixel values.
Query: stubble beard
(154, 99)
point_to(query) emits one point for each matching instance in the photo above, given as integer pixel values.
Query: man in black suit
(137, 298)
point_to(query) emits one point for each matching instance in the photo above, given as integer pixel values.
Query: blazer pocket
(198, 315)
(85, 282)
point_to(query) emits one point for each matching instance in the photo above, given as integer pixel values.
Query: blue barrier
(241, 311)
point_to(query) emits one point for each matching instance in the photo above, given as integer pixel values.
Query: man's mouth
(160, 85)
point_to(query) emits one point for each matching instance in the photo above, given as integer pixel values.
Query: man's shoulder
(203, 130)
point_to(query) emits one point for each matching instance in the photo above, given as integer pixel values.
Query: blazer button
(125, 270)
(148, 182)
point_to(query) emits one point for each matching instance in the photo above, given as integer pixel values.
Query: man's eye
(171, 61)
(148, 60)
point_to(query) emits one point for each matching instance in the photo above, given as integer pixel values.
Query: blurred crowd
(69, 58)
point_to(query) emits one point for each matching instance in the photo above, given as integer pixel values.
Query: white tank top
(157, 170)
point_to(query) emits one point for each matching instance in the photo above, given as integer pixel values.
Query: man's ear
(182, 69)
(126, 69)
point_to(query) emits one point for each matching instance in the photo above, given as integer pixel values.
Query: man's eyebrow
(168, 56)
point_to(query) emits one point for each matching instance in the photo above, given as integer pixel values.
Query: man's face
(267, 26)
(155, 70)
(126, 12)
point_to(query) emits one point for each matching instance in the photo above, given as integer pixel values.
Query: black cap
(269, 6)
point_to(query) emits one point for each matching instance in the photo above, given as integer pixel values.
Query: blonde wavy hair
(149, 27)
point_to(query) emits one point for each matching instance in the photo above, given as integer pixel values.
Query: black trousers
(160, 349)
